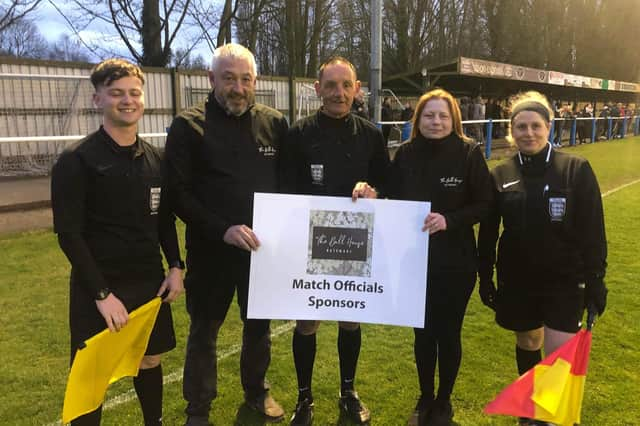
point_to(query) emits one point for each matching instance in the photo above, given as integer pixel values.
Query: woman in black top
(439, 165)
(552, 252)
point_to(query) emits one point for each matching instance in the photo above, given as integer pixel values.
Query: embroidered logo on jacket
(154, 199)
(451, 181)
(557, 209)
(317, 174)
(508, 184)
(267, 151)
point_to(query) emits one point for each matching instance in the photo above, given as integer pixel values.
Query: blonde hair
(531, 96)
(456, 116)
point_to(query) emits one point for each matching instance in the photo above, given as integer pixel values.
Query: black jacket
(454, 177)
(324, 156)
(551, 212)
(216, 162)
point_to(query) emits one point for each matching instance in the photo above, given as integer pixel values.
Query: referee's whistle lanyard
(545, 190)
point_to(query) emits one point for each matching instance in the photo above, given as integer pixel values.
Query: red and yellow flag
(552, 390)
(106, 358)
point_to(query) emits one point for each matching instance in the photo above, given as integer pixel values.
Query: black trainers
(441, 413)
(350, 403)
(303, 414)
(421, 412)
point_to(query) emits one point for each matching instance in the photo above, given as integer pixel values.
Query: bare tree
(68, 49)
(296, 35)
(148, 28)
(12, 11)
(186, 60)
(23, 40)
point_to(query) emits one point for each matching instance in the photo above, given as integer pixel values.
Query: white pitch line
(611, 191)
(176, 376)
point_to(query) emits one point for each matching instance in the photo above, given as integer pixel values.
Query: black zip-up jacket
(326, 156)
(216, 162)
(552, 218)
(454, 177)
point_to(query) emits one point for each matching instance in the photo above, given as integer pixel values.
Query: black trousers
(439, 342)
(210, 288)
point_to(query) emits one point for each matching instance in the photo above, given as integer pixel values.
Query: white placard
(328, 258)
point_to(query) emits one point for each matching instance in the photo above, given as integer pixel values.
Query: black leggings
(447, 298)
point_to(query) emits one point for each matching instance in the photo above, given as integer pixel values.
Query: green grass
(33, 332)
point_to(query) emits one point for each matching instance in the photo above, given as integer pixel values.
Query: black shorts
(528, 307)
(211, 285)
(86, 321)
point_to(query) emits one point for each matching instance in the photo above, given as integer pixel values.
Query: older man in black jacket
(219, 154)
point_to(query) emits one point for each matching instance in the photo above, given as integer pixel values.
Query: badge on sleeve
(154, 199)
(317, 174)
(557, 208)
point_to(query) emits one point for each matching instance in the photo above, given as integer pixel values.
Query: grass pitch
(35, 344)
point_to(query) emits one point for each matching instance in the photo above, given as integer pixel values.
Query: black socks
(148, 385)
(304, 355)
(349, 342)
(527, 359)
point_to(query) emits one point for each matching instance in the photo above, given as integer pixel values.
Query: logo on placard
(340, 243)
(154, 199)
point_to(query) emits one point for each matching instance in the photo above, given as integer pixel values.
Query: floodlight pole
(375, 72)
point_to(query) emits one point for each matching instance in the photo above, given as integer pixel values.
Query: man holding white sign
(218, 154)
(333, 152)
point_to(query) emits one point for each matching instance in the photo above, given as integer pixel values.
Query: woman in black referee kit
(439, 165)
(552, 251)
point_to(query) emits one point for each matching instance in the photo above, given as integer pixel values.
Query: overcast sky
(53, 24)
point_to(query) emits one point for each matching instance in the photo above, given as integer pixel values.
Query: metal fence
(44, 107)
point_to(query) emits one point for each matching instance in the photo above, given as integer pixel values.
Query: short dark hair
(110, 70)
(335, 60)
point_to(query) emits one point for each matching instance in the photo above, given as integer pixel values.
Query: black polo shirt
(110, 197)
(328, 156)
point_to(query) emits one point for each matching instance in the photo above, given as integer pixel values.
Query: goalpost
(40, 115)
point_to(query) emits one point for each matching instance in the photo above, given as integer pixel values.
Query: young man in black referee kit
(111, 217)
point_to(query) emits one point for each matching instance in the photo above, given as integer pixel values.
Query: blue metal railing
(616, 127)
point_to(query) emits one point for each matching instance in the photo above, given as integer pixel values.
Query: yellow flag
(550, 383)
(106, 358)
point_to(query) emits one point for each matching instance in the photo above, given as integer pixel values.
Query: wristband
(177, 264)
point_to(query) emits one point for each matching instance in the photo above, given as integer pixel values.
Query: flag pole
(591, 318)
